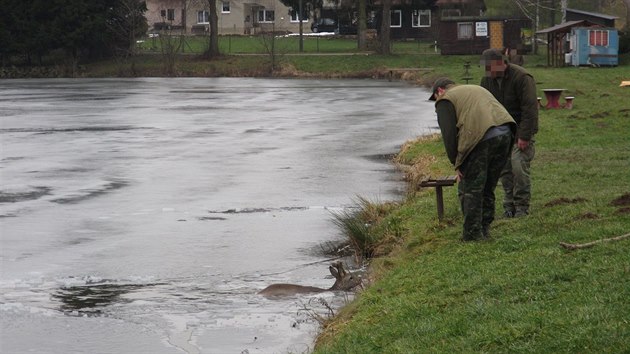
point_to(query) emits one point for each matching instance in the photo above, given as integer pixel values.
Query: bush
(624, 42)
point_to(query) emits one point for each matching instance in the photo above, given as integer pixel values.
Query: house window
(225, 7)
(598, 38)
(295, 17)
(421, 18)
(265, 16)
(451, 13)
(464, 30)
(396, 18)
(202, 17)
(170, 14)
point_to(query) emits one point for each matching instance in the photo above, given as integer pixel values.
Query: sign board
(481, 29)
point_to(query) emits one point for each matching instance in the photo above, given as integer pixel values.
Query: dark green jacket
(517, 93)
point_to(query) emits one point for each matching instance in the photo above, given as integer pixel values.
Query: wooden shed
(472, 35)
(557, 40)
(594, 46)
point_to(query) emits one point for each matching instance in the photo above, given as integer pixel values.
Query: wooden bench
(438, 183)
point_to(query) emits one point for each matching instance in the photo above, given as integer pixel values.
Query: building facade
(234, 16)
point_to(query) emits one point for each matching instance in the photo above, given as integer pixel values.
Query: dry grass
(420, 167)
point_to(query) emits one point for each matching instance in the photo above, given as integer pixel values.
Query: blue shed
(597, 46)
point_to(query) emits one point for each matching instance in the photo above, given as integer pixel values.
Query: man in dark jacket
(477, 133)
(515, 88)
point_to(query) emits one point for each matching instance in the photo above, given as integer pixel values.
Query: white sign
(481, 29)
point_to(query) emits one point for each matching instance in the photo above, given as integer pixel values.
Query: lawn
(520, 292)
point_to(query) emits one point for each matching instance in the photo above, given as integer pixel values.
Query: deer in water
(344, 281)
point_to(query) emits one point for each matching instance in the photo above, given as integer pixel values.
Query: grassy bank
(325, 57)
(520, 292)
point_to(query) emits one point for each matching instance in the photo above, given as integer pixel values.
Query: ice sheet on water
(19, 193)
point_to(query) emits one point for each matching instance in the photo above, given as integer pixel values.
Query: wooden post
(440, 202)
(438, 183)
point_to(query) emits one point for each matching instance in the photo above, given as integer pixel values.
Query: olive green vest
(477, 111)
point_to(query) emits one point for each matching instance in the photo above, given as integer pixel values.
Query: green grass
(322, 57)
(520, 292)
(257, 44)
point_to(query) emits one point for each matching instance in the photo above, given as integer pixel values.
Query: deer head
(344, 280)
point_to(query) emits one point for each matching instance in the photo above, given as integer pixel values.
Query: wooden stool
(569, 102)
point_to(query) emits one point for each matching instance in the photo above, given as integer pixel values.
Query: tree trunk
(300, 14)
(386, 27)
(627, 4)
(213, 45)
(361, 34)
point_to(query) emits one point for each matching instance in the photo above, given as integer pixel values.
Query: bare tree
(362, 29)
(170, 45)
(627, 5)
(126, 22)
(385, 28)
(213, 44)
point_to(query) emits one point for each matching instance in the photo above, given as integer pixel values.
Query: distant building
(472, 35)
(586, 38)
(593, 17)
(593, 46)
(234, 16)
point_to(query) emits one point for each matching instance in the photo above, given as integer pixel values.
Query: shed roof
(565, 27)
(594, 14)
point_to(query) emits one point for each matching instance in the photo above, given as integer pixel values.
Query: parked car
(342, 27)
(324, 25)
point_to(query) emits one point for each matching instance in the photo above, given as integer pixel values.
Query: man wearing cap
(477, 132)
(515, 88)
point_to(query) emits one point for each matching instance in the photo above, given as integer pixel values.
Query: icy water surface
(143, 215)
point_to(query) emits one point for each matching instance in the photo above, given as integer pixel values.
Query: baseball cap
(439, 82)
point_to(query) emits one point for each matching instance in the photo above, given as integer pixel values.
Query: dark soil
(587, 216)
(600, 115)
(623, 200)
(623, 211)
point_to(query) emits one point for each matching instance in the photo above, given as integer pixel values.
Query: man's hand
(522, 144)
(460, 175)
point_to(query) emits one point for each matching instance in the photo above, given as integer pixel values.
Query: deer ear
(343, 269)
(334, 271)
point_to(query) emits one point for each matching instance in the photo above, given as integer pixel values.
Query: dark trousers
(516, 180)
(481, 170)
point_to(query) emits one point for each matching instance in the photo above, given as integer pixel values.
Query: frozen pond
(143, 215)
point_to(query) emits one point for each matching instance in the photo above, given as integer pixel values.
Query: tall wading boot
(485, 232)
(521, 212)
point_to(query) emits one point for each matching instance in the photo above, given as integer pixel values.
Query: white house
(234, 16)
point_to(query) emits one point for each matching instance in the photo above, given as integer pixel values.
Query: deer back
(344, 280)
